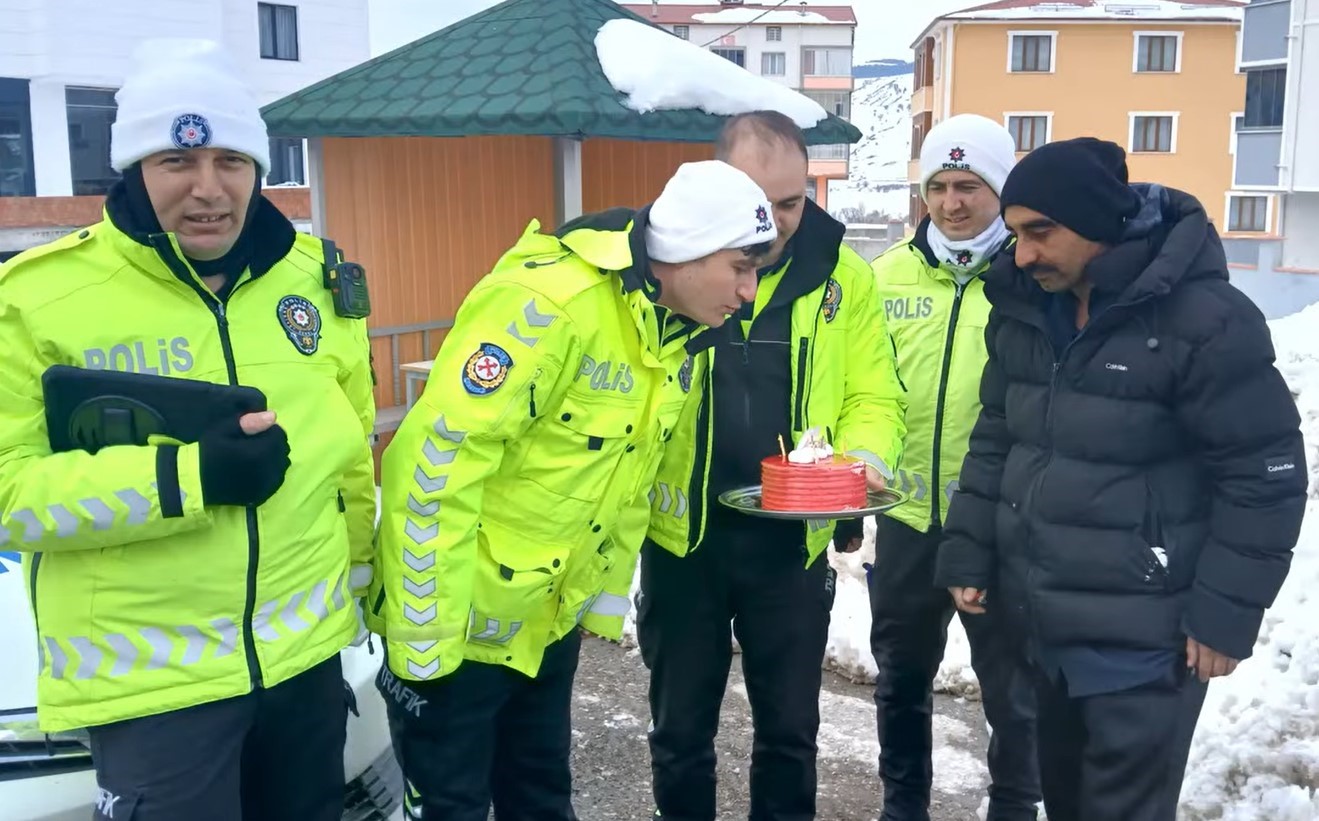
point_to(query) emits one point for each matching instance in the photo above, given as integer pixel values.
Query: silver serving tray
(747, 500)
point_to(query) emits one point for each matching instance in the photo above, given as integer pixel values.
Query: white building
(1276, 173)
(808, 49)
(61, 62)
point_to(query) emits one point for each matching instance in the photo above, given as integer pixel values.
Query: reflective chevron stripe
(909, 481)
(493, 631)
(671, 499)
(536, 322)
(608, 604)
(149, 648)
(65, 520)
(950, 489)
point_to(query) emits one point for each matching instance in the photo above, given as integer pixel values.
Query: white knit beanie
(707, 207)
(184, 93)
(969, 142)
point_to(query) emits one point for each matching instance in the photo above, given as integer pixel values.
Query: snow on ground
(693, 77)
(1256, 751)
(877, 176)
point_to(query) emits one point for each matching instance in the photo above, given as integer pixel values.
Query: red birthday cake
(812, 478)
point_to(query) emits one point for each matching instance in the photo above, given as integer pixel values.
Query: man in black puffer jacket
(1136, 480)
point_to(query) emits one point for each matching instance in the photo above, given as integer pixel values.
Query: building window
(1238, 125)
(1266, 91)
(1031, 52)
(1248, 214)
(279, 31)
(286, 162)
(91, 112)
(924, 64)
(838, 103)
(774, 34)
(1153, 133)
(774, 64)
(920, 126)
(1158, 53)
(826, 62)
(732, 55)
(1030, 131)
(16, 173)
(682, 32)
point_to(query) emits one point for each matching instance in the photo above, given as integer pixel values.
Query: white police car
(50, 778)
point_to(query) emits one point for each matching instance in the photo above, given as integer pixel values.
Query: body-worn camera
(346, 281)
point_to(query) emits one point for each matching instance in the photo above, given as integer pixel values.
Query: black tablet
(92, 409)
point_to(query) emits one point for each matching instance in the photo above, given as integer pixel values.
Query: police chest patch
(301, 322)
(191, 131)
(486, 369)
(685, 374)
(833, 297)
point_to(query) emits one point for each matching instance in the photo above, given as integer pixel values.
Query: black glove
(845, 531)
(238, 469)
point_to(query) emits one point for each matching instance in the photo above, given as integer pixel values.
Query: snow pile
(735, 17)
(658, 72)
(877, 175)
(848, 652)
(1256, 752)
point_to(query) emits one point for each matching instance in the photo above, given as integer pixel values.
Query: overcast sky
(885, 27)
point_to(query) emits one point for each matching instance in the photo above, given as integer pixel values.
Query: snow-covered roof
(707, 14)
(1102, 10)
(1225, 11)
(692, 77)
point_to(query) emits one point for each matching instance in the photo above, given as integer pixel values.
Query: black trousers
(779, 610)
(273, 754)
(1118, 756)
(909, 631)
(487, 734)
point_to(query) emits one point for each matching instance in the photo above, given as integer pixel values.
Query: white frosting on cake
(811, 448)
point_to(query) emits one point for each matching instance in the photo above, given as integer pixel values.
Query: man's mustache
(1041, 270)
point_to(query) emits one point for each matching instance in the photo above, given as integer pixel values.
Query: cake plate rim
(879, 501)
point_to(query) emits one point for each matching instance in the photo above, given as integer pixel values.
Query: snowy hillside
(881, 109)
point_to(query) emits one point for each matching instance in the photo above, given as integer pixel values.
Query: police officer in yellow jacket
(191, 599)
(935, 303)
(515, 493)
(810, 352)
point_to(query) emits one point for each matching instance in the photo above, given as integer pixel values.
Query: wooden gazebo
(429, 161)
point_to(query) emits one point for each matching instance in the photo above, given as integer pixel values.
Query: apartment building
(1160, 78)
(1276, 178)
(61, 62)
(806, 48)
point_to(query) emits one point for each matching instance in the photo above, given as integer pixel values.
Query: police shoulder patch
(301, 322)
(833, 298)
(486, 369)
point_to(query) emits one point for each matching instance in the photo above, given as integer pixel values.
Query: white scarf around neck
(964, 257)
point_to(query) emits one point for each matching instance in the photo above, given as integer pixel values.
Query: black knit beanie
(1081, 184)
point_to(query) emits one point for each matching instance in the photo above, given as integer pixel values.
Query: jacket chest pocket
(579, 449)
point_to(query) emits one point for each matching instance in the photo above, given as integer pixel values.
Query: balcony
(922, 100)
(1264, 32)
(829, 161)
(1259, 152)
